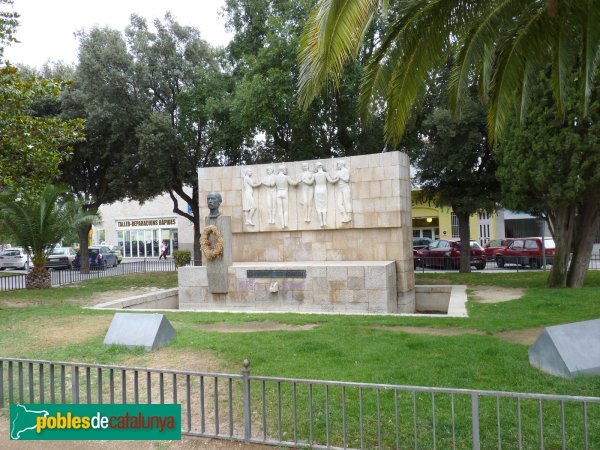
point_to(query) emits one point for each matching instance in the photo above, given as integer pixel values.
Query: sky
(47, 27)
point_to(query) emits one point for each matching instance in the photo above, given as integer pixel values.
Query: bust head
(213, 200)
(340, 164)
(305, 167)
(319, 166)
(282, 169)
(270, 170)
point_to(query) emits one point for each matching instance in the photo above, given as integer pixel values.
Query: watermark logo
(95, 422)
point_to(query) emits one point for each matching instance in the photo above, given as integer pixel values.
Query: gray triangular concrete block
(150, 331)
(568, 350)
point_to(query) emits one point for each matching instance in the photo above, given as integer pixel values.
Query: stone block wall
(341, 287)
(380, 229)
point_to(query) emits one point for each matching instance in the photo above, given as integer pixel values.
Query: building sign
(136, 223)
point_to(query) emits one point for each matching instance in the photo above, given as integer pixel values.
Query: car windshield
(59, 251)
(549, 243)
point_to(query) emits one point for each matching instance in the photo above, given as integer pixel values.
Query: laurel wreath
(211, 250)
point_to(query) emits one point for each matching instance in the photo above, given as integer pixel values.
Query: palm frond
(591, 50)
(332, 36)
(475, 48)
(529, 44)
(561, 61)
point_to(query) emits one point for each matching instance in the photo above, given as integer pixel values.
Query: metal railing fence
(317, 413)
(505, 263)
(69, 276)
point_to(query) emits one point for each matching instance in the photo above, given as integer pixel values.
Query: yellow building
(435, 222)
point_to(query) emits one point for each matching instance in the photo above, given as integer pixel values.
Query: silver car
(61, 257)
(15, 258)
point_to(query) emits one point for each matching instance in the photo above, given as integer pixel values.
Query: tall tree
(263, 57)
(105, 168)
(551, 166)
(455, 167)
(189, 125)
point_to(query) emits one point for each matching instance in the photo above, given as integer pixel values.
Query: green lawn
(345, 348)
(352, 348)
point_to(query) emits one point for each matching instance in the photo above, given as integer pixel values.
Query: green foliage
(498, 46)
(31, 148)
(182, 257)
(455, 166)
(9, 21)
(551, 165)
(38, 223)
(263, 57)
(561, 163)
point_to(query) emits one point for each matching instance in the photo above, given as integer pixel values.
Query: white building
(138, 229)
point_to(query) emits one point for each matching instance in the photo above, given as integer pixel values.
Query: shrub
(182, 257)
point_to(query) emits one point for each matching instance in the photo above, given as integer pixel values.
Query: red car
(526, 252)
(446, 253)
(493, 247)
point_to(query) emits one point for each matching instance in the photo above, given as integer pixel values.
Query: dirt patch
(251, 327)
(495, 294)
(434, 331)
(168, 358)
(526, 336)
(65, 330)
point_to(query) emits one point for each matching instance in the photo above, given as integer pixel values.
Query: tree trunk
(84, 254)
(464, 231)
(587, 225)
(562, 225)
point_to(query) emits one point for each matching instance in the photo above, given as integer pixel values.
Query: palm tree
(38, 224)
(497, 43)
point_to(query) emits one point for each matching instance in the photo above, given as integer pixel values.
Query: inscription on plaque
(276, 274)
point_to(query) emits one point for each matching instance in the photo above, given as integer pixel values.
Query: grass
(345, 348)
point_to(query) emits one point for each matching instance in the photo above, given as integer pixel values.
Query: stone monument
(217, 267)
(322, 235)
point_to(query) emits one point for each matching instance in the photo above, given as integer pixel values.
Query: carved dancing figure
(248, 203)
(269, 182)
(344, 197)
(283, 181)
(321, 179)
(307, 190)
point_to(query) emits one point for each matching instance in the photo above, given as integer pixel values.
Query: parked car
(61, 257)
(526, 252)
(446, 253)
(421, 242)
(15, 258)
(100, 258)
(119, 253)
(418, 244)
(494, 246)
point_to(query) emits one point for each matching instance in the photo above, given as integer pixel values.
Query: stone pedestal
(218, 282)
